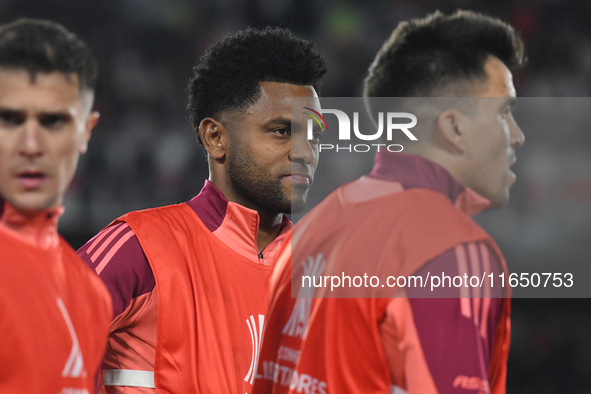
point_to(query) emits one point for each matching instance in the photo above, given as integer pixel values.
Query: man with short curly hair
(188, 281)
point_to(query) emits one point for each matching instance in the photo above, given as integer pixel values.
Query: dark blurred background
(143, 152)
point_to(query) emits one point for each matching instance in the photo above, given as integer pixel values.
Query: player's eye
(506, 112)
(10, 118)
(282, 132)
(318, 134)
(54, 121)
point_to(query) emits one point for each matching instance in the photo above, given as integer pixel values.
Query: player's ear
(91, 122)
(213, 134)
(453, 128)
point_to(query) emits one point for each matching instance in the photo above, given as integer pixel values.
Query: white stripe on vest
(128, 377)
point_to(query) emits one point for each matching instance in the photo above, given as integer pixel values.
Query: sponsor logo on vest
(74, 367)
(298, 321)
(296, 381)
(288, 354)
(256, 336)
(304, 383)
(471, 383)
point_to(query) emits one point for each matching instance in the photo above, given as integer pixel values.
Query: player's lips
(31, 179)
(512, 176)
(513, 160)
(299, 177)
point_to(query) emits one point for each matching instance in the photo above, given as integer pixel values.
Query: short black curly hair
(424, 57)
(42, 46)
(227, 76)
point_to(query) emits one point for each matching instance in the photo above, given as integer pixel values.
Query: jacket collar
(38, 229)
(413, 171)
(235, 225)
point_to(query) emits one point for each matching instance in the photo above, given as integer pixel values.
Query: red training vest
(54, 319)
(211, 304)
(396, 235)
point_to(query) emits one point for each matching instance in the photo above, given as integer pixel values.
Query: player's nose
(302, 150)
(31, 140)
(516, 134)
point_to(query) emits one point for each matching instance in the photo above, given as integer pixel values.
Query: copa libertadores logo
(256, 336)
(389, 123)
(297, 325)
(74, 367)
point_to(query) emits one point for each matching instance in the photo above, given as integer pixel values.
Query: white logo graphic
(345, 125)
(256, 337)
(74, 367)
(298, 321)
(344, 131)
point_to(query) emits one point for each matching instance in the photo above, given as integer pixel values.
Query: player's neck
(269, 222)
(38, 228)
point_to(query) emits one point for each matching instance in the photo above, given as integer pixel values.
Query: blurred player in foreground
(54, 311)
(188, 281)
(411, 215)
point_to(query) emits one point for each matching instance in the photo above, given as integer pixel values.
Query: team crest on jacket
(298, 321)
(256, 336)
